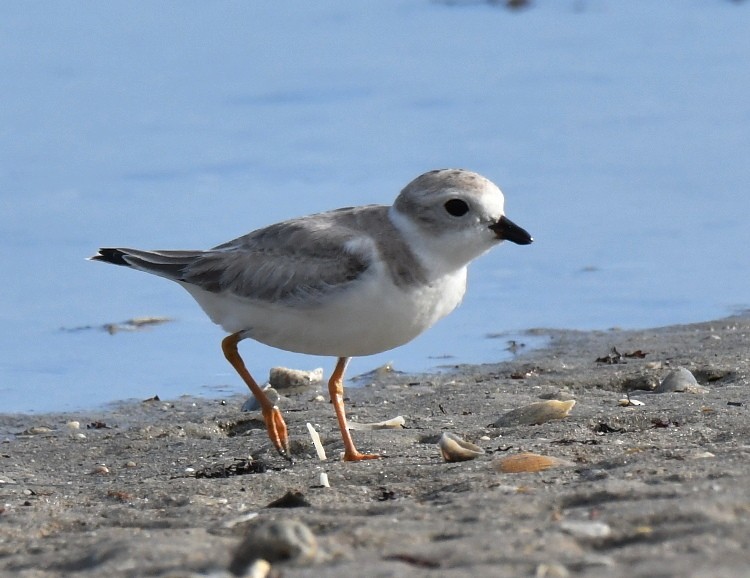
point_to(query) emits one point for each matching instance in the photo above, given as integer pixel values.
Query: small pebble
(282, 540)
(258, 569)
(284, 378)
(252, 404)
(593, 474)
(552, 570)
(584, 529)
(558, 394)
(647, 382)
(292, 499)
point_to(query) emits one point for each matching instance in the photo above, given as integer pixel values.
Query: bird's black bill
(507, 230)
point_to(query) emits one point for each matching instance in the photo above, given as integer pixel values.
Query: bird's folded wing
(295, 261)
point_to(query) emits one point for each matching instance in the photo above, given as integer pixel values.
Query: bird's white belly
(374, 316)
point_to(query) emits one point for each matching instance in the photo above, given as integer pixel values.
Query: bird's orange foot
(277, 431)
(355, 456)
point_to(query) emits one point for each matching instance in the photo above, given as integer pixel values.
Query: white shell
(680, 380)
(455, 449)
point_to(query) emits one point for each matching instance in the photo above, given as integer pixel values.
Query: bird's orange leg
(271, 414)
(336, 391)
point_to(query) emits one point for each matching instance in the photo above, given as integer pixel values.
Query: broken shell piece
(536, 413)
(292, 380)
(680, 380)
(527, 462)
(395, 423)
(36, 430)
(454, 449)
(316, 442)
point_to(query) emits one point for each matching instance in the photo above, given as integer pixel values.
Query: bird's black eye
(456, 207)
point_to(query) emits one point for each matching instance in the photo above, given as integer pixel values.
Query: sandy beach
(191, 487)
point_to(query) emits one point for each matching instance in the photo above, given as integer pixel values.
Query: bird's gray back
(306, 260)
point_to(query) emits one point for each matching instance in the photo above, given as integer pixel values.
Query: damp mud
(633, 483)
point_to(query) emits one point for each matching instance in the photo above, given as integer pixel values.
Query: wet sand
(661, 489)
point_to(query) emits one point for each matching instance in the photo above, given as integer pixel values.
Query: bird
(350, 282)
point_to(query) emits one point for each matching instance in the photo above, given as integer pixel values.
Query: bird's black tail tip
(114, 256)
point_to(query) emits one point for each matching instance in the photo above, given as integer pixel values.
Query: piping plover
(354, 281)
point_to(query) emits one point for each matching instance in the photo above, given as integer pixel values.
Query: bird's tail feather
(169, 264)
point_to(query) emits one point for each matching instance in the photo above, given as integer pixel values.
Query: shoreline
(662, 488)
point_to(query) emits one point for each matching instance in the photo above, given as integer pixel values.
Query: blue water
(619, 131)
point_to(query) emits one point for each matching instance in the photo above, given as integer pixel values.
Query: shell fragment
(536, 413)
(455, 449)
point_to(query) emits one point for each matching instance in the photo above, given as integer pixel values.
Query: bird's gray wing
(303, 260)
